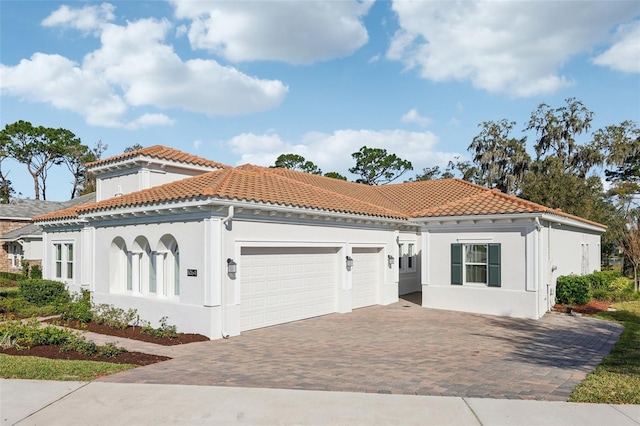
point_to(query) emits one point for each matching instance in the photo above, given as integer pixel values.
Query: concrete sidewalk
(30, 402)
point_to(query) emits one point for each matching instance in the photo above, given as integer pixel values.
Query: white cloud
(88, 18)
(135, 67)
(512, 47)
(296, 32)
(332, 152)
(624, 55)
(148, 120)
(197, 144)
(412, 116)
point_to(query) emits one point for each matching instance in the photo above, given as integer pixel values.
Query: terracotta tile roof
(162, 153)
(249, 183)
(494, 202)
(283, 187)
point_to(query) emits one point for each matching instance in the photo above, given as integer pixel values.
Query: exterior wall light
(232, 267)
(349, 262)
(391, 261)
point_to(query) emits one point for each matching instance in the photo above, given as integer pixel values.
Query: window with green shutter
(476, 264)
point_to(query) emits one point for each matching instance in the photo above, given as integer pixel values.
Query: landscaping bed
(591, 308)
(53, 352)
(131, 332)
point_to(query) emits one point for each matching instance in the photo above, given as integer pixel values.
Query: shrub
(32, 334)
(36, 272)
(43, 292)
(11, 276)
(602, 279)
(573, 289)
(165, 330)
(23, 308)
(110, 350)
(78, 343)
(620, 289)
(78, 308)
(115, 317)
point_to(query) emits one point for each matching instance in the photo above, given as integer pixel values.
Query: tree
(630, 245)
(88, 184)
(376, 167)
(428, 173)
(38, 148)
(501, 160)
(296, 162)
(6, 190)
(335, 175)
(134, 147)
(557, 128)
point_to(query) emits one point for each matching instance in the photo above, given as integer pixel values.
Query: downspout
(223, 293)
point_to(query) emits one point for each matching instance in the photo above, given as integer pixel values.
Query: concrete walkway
(399, 349)
(27, 402)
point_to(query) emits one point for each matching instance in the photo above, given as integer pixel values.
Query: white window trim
(64, 267)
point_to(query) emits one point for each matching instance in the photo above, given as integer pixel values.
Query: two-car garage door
(283, 284)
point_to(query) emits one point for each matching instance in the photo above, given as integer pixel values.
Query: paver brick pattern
(402, 349)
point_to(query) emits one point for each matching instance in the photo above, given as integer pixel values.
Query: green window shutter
(494, 265)
(456, 264)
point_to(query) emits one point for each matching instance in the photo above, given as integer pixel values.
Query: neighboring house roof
(284, 187)
(159, 152)
(50, 206)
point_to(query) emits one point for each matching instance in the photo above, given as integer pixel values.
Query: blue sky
(243, 82)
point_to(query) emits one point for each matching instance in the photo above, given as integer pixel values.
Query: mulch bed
(53, 352)
(593, 307)
(134, 333)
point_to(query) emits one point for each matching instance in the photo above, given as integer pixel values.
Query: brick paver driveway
(402, 348)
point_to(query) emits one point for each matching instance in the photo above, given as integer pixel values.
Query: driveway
(401, 349)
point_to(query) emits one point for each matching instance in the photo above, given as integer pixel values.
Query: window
(476, 264)
(64, 260)
(400, 256)
(15, 255)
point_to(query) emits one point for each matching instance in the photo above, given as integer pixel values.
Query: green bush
(110, 350)
(8, 291)
(602, 279)
(11, 276)
(77, 309)
(620, 289)
(27, 334)
(43, 292)
(573, 290)
(115, 317)
(22, 308)
(36, 272)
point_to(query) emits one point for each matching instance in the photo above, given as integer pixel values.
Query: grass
(617, 379)
(29, 367)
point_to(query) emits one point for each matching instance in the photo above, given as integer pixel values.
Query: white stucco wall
(514, 297)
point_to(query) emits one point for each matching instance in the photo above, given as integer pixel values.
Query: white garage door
(282, 284)
(365, 279)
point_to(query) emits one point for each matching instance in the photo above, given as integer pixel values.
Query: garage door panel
(287, 283)
(366, 276)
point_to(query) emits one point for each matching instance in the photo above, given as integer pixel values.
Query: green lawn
(29, 367)
(617, 379)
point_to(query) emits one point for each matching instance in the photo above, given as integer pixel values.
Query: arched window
(141, 266)
(167, 267)
(119, 267)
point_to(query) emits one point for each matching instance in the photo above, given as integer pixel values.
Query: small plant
(25, 267)
(43, 292)
(78, 308)
(620, 289)
(164, 331)
(110, 350)
(32, 334)
(115, 317)
(8, 282)
(78, 343)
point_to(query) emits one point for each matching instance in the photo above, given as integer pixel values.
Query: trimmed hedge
(602, 279)
(573, 290)
(11, 276)
(43, 292)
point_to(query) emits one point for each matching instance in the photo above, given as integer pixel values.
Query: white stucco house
(220, 250)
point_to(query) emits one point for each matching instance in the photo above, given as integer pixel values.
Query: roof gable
(158, 152)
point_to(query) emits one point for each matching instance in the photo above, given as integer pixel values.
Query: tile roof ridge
(392, 213)
(151, 152)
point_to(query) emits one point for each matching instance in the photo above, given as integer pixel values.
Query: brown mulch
(53, 352)
(593, 307)
(134, 333)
